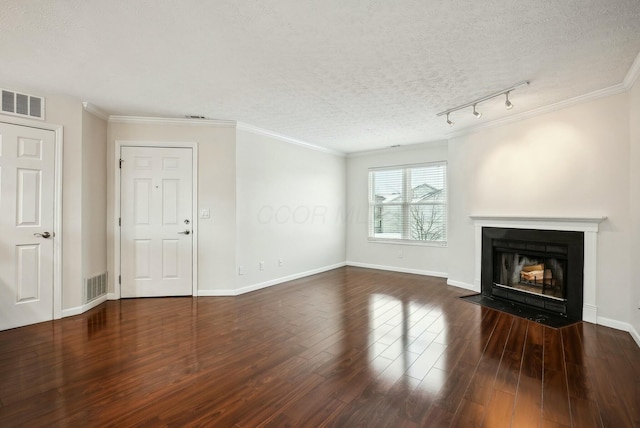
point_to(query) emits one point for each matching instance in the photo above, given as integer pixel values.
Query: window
(409, 203)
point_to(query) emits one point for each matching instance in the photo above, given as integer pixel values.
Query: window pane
(427, 222)
(409, 203)
(387, 186)
(387, 221)
(428, 184)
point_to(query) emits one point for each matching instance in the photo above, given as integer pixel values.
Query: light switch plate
(205, 213)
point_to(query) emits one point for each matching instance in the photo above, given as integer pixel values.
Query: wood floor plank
(469, 414)
(437, 417)
(348, 347)
(627, 385)
(481, 386)
(582, 397)
(528, 405)
(555, 393)
(499, 410)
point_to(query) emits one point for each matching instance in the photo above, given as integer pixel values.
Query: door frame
(57, 202)
(116, 209)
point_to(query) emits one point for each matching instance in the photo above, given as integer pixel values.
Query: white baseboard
(398, 269)
(254, 287)
(618, 325)
(590, 314)
(218, 293)
(113, 296)
(634, 334)
(84, 308)
(464, 285)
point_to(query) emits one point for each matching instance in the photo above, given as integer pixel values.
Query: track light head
(476, 113)
(449, 121)
(508, 104)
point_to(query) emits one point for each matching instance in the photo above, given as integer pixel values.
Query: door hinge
(119, 221)
(119, 279)
(120, 163)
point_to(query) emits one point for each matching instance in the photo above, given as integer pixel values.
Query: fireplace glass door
(542, 274)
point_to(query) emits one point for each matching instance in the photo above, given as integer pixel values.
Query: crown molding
(627, 83)
(632, 74)
(630, 79)
(138, 120)
(90, 108)
(591, 96)
(401, 148)
(266, 133)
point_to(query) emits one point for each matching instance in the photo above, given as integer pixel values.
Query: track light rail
(485, 98)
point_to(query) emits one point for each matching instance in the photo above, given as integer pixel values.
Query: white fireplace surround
(576, 224)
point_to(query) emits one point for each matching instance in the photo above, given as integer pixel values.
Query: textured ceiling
(348, 75)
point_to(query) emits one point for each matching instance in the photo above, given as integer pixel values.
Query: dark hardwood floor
(350, 347)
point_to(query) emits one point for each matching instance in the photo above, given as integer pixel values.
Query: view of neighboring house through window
(409, 203)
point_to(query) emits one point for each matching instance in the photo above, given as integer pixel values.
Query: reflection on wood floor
(350, 347)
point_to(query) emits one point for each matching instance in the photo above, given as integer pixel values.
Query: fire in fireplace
(542, 269)
(530, 271)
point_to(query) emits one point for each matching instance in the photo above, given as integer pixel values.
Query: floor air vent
(22, 104)
(95, 287)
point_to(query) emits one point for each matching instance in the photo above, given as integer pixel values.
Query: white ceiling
(349, 75)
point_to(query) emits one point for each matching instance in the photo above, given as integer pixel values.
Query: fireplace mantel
(578, 224)
(588, 225)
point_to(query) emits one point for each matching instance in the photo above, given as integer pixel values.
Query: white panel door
(156, 215)
(26, 225)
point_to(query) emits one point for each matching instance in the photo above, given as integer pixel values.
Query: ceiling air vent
(22, 104)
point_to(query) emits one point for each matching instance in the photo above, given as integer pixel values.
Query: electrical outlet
(261, 265)
(240, 270)
(280, 262)
(401, 254)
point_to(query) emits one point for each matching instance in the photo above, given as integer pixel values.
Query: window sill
(407, 242)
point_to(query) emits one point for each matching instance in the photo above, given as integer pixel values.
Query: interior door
(27, 159)
(156, 214)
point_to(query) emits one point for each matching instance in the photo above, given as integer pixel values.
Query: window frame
(405, 205)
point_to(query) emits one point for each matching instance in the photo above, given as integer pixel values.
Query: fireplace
(588, 227)
(539, 269)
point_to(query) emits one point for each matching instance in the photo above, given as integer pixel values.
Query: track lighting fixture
(507, 104)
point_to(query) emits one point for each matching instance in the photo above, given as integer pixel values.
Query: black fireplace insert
(539, 269)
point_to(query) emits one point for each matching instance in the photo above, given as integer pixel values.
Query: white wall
(83, 233)
(634, 120)
(67, 112)
(570, 163)
(409, 258)
(290, 203)
(216, 191)
(94, 195)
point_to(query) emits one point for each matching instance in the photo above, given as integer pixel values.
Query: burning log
(535, 273)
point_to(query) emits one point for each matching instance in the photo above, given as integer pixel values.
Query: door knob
(43, 235)
(186, 232)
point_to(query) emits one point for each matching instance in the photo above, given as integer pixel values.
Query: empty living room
(308, 214)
